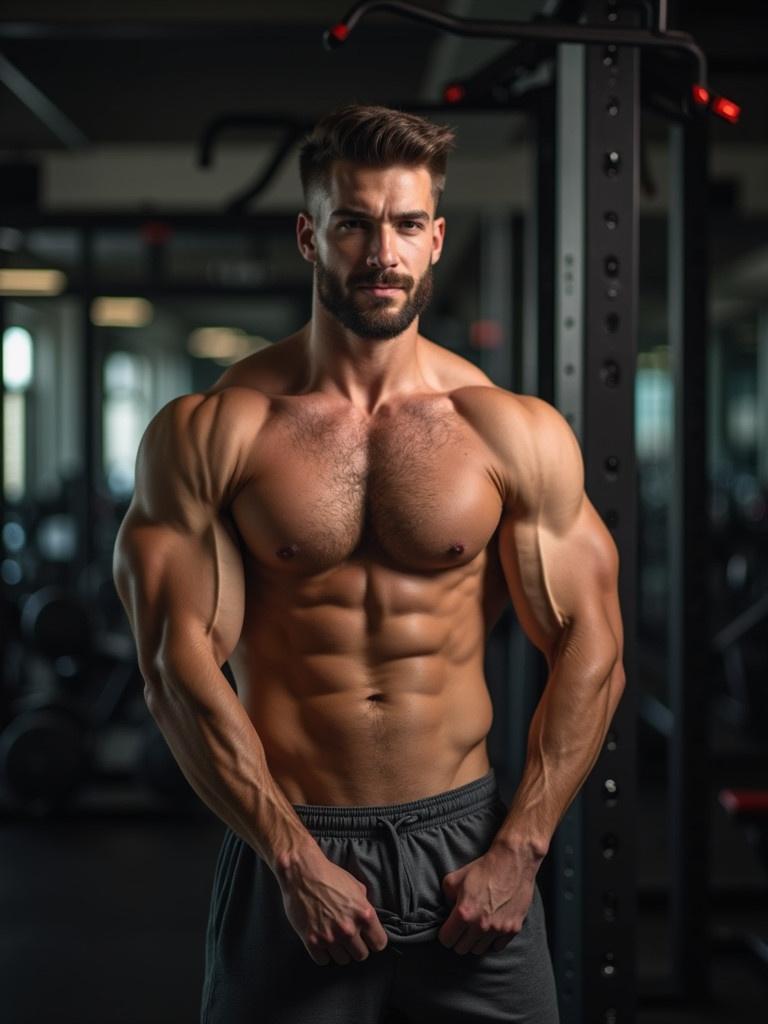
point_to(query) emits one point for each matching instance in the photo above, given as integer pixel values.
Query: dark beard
(375, 321)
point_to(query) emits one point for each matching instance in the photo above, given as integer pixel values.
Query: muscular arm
(561, 565)
(180, 577)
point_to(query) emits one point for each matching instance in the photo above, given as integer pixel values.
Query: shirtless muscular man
(343, 517)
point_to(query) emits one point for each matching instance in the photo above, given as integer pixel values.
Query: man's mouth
(381, 289)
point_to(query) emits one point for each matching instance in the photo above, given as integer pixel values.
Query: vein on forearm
(566, 734)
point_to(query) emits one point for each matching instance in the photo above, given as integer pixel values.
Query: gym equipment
(742, 646)
(44, 752)
(749, 808)
(96, 588)
(44, 748)
(56, 622)
(60, 691)
(56, 703)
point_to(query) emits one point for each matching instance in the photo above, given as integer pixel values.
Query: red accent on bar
(339, 32)
(726, 109)
(454, 93)
(700, 95)
(745, 801)
(486, 334)
(155, 232)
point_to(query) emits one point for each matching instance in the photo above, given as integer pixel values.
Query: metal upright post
(568, 952)
(538, 342)
(610, 363)
(595, 358)
(689, 689)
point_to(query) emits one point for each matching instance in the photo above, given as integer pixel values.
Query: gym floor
(104, 911)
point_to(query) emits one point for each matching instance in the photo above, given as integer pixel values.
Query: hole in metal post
(611, 164)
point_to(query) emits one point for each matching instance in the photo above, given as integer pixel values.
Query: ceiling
(138, 73)
(142, 72)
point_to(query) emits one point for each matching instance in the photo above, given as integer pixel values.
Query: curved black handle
(541, 30)
(292, 131)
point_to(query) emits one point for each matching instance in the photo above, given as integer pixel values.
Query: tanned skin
(343, 519)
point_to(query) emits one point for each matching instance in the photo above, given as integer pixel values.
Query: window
(126, 412)
(17, 378)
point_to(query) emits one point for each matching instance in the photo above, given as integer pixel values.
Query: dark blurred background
(131, 273)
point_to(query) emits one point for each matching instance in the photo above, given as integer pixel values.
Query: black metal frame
(596, 280)
(689, 550)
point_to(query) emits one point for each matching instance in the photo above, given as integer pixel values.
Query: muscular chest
(411, 486)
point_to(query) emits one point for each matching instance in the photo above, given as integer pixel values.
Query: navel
(288, 551)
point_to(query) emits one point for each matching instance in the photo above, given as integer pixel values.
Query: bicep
(560, 560)
(180, 588)
(564, 581)
(176, 568)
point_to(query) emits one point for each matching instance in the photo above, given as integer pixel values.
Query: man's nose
(382, 252)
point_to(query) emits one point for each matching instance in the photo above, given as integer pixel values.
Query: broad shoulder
(195, 445)
(505, 417)
(449, 370)
(211, 417)
(536, 453)
(275, 369)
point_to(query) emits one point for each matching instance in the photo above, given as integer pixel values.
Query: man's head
(372, 179)
(373, 137)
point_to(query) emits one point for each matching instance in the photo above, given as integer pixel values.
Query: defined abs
(357, 747)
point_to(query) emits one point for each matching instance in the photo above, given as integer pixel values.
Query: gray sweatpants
(257, 970)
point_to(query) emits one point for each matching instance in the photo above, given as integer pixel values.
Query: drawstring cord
(406, 896)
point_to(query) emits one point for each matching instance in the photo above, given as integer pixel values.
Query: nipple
(455, 549)
(287, 552)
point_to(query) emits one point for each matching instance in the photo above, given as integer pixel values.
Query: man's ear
(305, 236)
(438, 237)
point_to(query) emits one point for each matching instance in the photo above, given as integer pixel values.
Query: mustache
(388, 280)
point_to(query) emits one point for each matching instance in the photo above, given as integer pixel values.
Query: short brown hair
(375, 137)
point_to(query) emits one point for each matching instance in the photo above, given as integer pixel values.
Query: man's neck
(367, 373)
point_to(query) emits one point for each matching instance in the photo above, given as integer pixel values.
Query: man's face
(373, 239)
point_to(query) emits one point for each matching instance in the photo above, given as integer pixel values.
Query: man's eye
(350, 223)
(409, 224)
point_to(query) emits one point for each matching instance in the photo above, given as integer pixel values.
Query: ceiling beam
(25, 90)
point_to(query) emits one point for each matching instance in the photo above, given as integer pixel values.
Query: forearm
(221, 755)
(566, 735)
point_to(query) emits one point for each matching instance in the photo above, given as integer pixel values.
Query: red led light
(486, 334)
(339, 32)
(744, 801)
(454, 93)
(155, 232)
(726, 109)
(700, 95)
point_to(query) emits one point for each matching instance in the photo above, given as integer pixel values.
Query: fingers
(373, 933)
(453, 928)
(483, 945)
(349, 943)
(480, 940)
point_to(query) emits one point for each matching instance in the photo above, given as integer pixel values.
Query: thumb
(449, 883)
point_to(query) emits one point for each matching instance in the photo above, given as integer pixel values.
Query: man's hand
(329, 910)
(492, 897)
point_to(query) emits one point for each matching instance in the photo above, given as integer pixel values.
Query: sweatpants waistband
(431, 810)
